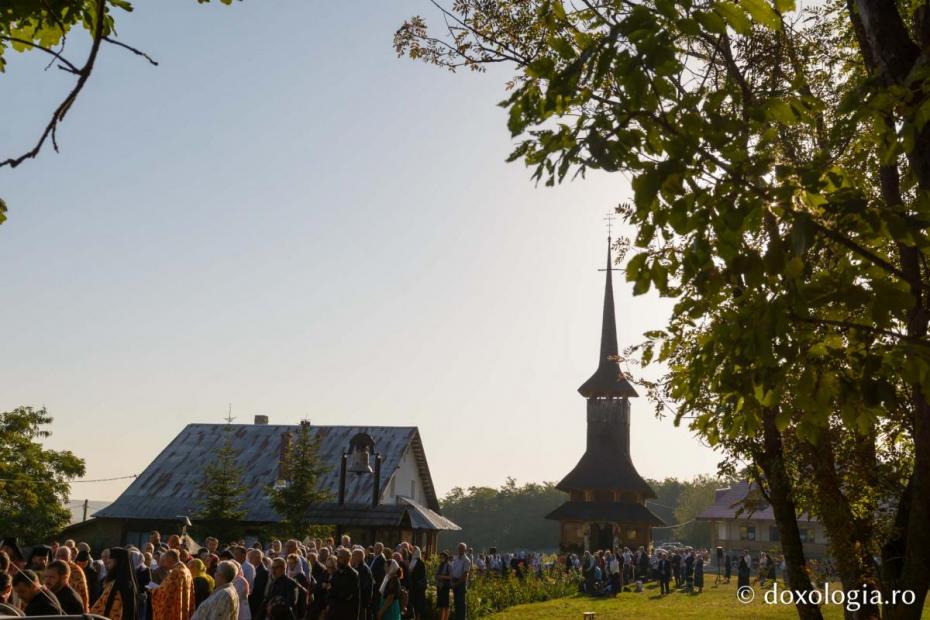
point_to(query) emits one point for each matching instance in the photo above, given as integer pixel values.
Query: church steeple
(608, 380)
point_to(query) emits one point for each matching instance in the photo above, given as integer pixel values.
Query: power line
(665, 527)
(107, 479)
(21, 478)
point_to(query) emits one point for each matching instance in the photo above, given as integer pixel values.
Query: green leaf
(541, 68)
(794, 268)
(734, 16)
(777, 109)
(762, 13)
(712, 22)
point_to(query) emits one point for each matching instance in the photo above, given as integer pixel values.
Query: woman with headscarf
(203, 583)
(212, 562)
(241, 585)
(143, 575)
(118, 599)
(443, 585)
(294, 571)
(417, 584)
(140, 567)
(389, 605)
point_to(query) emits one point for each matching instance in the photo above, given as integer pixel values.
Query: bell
(359, 461)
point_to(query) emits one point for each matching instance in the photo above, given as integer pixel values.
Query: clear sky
(286, 217)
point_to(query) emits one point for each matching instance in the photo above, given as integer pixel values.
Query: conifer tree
(298, 489)
(221, 492)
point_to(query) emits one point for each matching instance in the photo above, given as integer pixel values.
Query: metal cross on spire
(229, 416)
(610, 217)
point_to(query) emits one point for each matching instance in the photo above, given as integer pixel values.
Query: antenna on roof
(229, 416)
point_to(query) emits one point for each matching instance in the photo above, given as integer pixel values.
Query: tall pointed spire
(608, 324)
(608, 380)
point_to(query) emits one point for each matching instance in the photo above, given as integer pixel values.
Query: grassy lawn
(715, 602)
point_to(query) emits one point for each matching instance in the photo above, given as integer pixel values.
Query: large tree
(509, 517)
(299, 489)
(780, 162)
(34, 481)
(43, 26)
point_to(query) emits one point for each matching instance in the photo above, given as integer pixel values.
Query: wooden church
(607, 496)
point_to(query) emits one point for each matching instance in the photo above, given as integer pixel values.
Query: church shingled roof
(605, 471)
(605, 511)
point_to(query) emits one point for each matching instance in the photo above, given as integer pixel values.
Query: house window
(774, 534)
(807, 535)
(747, 532)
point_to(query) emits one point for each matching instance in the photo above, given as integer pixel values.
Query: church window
(413, 490)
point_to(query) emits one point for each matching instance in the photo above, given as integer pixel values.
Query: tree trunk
(905, 565)
(850, 539)
(772, 462)
(890, 54)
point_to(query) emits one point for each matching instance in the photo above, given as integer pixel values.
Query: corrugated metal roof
(167, 487)
(729, 502)
(422, 518)
(76, 507)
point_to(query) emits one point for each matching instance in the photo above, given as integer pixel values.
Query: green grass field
(714, 602)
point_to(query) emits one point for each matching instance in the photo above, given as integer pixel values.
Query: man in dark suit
(378, 568)
(259, 585)
(366, 584)
(321, 585)
(282, 593)
(344, 589)
(56, 580)
(39, 600)
(664, 570)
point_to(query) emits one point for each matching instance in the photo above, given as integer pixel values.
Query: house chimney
(261, 420)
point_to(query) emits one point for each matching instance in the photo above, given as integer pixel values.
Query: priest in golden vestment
(174, 598)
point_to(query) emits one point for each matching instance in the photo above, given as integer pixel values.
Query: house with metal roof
(378, 482)
(743, 519)
(606, 507)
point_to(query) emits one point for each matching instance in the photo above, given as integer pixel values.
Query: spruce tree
(221, 492)
(299, 490)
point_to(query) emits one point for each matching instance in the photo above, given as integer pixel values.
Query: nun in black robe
(121, 574)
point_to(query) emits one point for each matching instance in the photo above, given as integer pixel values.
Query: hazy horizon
(284, 216)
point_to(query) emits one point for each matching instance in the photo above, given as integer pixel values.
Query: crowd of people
(321, 579)
(609, 572)
(180, 580)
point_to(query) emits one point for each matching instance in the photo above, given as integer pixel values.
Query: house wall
(762, 535)
(399, 484)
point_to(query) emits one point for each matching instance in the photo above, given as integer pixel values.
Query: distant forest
(511, 517)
